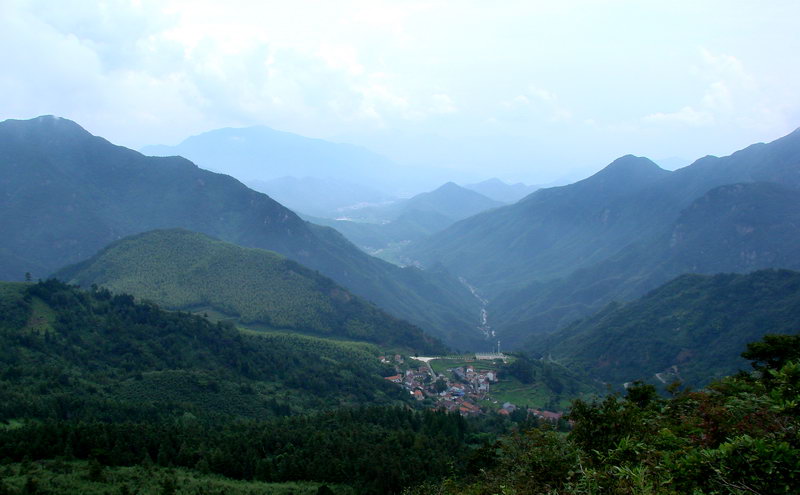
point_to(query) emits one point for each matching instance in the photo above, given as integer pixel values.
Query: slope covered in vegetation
(70, 354)
(186, 270)
(67, 194)
(738, 436)
(691, 329)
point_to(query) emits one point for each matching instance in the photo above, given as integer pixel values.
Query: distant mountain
(451, 201)
(261, 153)
(563, 252)
(66, 194)
(185, 270)
(673, 162)
(735, 228)
(97, 356)
(693, 328)
(326, 198)
(548, 234)
(500, 191)
(378, 229)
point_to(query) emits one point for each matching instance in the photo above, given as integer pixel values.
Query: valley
(187, 326)
(399, 247)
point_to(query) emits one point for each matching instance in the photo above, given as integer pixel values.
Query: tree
(773, 352)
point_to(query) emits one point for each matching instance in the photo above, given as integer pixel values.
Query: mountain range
(319, 197)
(498, 190)
(379, 228)
(66, 194)
(262, 153)
(564, 252)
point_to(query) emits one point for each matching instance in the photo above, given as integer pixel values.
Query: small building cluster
(462, 389)
(459, 390)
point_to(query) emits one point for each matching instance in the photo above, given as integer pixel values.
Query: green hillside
(733, 228)
(66, 194)
(67, 353)
(691, 329)
(99, 393)
(548, 234)
(738, 436)
(562, 253)
(179, 269)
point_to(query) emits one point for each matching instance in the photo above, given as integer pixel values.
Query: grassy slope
(186, 270)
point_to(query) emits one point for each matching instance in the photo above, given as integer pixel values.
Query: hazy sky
(523, 90)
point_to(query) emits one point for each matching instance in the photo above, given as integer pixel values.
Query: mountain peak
(449, 186)
(49, 124)
(629, 169)
(633, 162)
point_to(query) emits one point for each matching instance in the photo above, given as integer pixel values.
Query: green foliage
(736, 437)
(773, 352)
(57, 477)
(102, 356)
(190, 271)
(379, 450)
(691, 329)
(540, 383)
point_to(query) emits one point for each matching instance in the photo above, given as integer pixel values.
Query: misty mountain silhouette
(66, 194)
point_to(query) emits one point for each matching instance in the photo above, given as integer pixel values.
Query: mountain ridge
(67, 196)
(180, 269)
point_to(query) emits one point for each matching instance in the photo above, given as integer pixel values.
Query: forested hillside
(690, 329)
(737, 436)
(563, 253)
(94, 376)
(733, 228)
(70, 354)
(186, 270)
(68, 194)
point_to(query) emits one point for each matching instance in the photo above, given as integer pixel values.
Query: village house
(395, 378)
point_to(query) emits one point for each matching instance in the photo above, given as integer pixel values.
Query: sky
(527, 91)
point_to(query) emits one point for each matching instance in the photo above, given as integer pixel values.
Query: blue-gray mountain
(500, 191)
(376, 229)
(564, 252)
(66, 194)
(326, 198)
(262, 153)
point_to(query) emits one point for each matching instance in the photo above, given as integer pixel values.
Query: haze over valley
(416, 247)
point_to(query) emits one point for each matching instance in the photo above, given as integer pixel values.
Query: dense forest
(692, 329)
(186, 270)
(68, 354)
(737, 436)
(99, 390)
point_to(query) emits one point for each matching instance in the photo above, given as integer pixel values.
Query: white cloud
(534, 103)
(686, 115)
(731, 96)
(442, 103)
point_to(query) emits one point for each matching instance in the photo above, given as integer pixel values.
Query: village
(464, 388)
